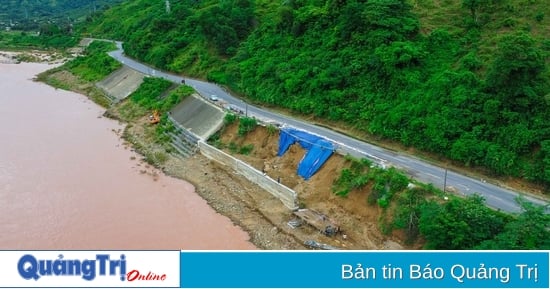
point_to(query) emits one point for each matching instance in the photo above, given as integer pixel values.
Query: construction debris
(295, 223)
(317, 245)
(319, 221)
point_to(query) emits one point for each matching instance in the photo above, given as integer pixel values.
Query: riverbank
(257, 212)
(36, 56)
(244, 203)
(265, 218)
(8, 57)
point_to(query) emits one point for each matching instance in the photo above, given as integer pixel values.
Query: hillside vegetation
(34, 14)
(45, 24)
(465, 79)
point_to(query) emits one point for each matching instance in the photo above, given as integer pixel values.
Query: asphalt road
(495, 196)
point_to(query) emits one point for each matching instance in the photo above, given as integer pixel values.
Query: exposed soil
(358, 220)
(263, 216)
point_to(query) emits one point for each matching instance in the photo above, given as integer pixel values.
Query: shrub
(271, 129)
(246, 149)
(246, 125)
(229, 118)
(232, 147)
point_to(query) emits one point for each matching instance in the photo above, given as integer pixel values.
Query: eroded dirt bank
(358, 220)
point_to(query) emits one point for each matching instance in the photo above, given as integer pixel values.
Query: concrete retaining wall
(283, 193)
(198, 116)
(121, 83)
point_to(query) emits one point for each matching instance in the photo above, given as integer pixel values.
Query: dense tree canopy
(466, 223)
(31, 14)
(367, 63)
(529, 231)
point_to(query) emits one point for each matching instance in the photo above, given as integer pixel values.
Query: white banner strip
(76, 269)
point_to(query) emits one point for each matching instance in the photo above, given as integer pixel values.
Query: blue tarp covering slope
(318, 150)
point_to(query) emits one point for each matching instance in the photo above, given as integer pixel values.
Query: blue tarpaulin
(318, 150)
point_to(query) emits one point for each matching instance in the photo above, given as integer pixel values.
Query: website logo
(82, 269)
(29, 267)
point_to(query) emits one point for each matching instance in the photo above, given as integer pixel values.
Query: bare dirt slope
(358, 220)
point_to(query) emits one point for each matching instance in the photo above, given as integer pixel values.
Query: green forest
(45, 24)
(32, 14)
(467, 80)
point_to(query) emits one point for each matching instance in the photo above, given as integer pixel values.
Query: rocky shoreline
(247, 205)
(8, 57)
(16, 57)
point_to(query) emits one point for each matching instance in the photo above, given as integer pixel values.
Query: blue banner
(365, 269)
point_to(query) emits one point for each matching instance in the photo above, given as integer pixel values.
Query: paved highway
(495, 196)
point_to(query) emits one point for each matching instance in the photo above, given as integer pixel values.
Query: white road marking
(433, 176)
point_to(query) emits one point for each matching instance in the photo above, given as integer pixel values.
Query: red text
(134, 275)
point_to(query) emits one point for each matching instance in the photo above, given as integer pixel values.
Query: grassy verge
(80, 73)
(95, 64)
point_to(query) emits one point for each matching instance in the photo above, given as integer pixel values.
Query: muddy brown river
(68, 182)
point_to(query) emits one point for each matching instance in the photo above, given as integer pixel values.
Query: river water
(68, 182)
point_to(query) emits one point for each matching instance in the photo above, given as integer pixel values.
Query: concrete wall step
(185, 133)
(180, 151)
(183, 147)
(183, 140)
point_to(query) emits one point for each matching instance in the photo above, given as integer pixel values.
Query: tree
(544, 155)
(473, 6)
(529, 231)
(408, 216)
(459, 224)
(517, 74)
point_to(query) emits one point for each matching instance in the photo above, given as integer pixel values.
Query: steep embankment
(465, 80)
